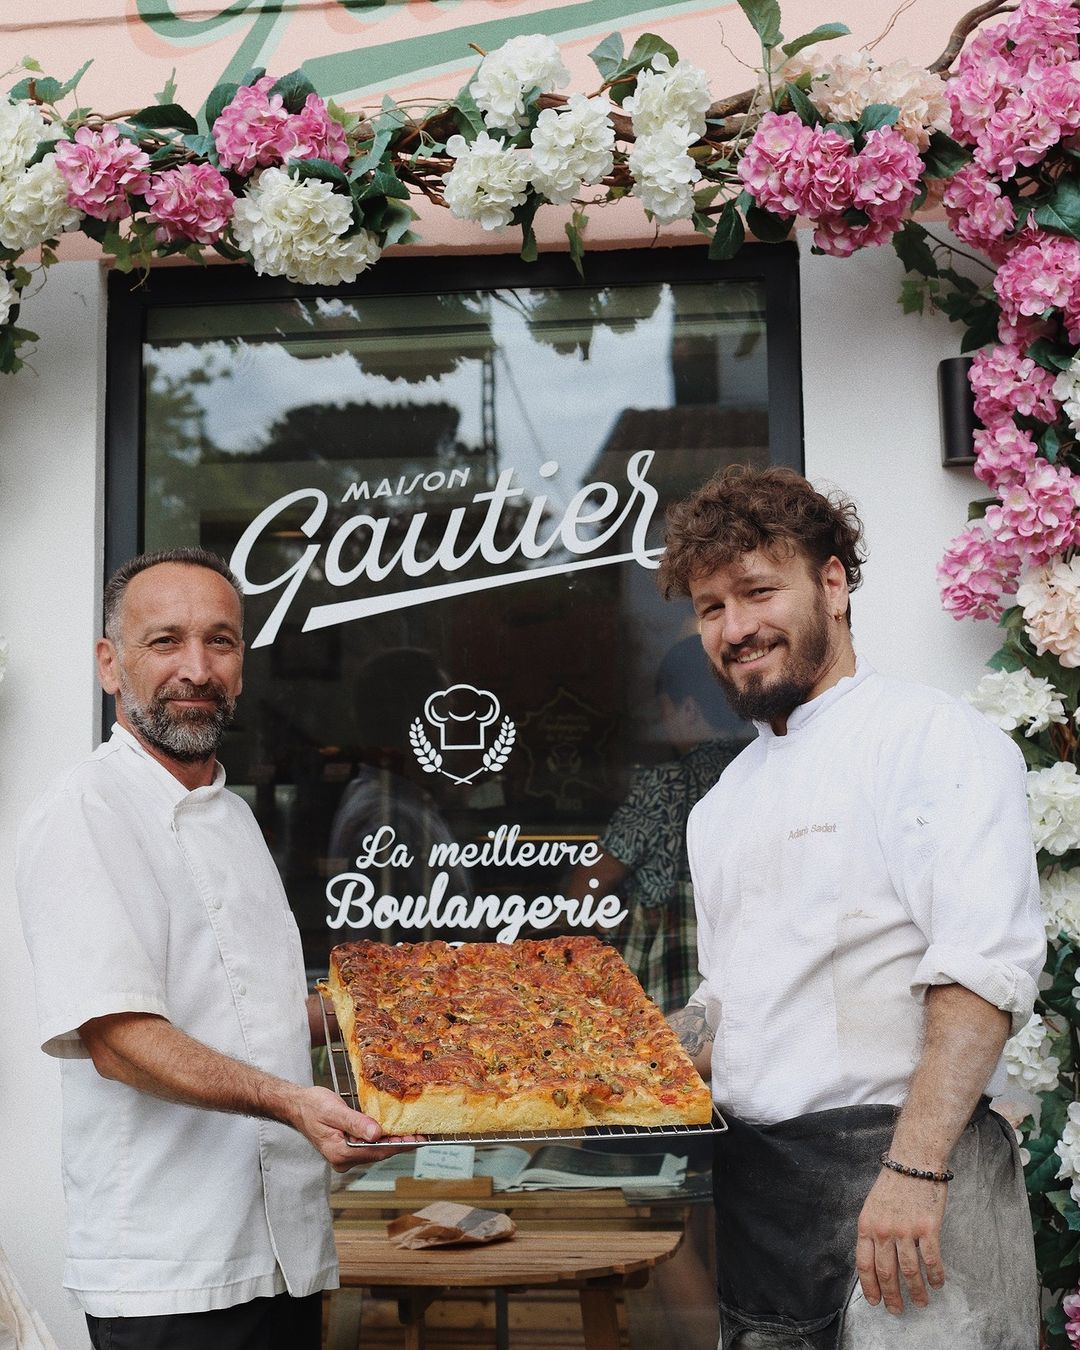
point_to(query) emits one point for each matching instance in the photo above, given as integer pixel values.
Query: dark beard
(191, 736)
(760, 702)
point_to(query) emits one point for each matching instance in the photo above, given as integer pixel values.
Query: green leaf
(730, 234)
(575, 230)
(47, 90)
(801, 104)
(877, 115)
(167, 94)
(978, 508)
(524, 216)
(203, 146)
(608, 56)
(469, 118)
(824, 32)
(321, 169)
(764, 16)
(767, 227)
(1041, 1172)
(1061, 213)
(1050, 444)
(294, 89)
(913, 295)
(382, 183)
(28, 63)
(219, 99)
(909, 244)
(1050, 355)
(69, 85)
(944, 156)
(165, 115)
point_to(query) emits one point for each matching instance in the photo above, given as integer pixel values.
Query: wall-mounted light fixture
(956, 404)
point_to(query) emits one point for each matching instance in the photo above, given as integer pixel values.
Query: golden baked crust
(489, 1037)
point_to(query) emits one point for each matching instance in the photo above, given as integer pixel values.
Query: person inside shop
(643, 846)
(869, 935)
(171, 986)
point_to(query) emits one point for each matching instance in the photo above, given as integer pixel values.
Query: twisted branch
(965, 26)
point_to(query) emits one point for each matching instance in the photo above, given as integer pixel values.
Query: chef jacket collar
(165, 784)
(806, 712)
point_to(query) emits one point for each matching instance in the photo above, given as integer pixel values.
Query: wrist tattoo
(690, 1026)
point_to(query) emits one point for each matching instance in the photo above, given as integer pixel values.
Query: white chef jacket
(138, 895)
(880, 847)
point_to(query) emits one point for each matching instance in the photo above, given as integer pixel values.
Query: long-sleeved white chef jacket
(880, 847)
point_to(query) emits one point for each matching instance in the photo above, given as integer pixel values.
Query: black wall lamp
(956, 404)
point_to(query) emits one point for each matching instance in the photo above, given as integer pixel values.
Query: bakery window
(467, 713)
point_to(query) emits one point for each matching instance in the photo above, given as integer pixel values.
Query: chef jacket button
(241, 989)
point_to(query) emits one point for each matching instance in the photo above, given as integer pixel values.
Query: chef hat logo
(462, 714)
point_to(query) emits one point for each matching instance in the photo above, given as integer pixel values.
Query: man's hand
(327, 1123)
(899, 1240)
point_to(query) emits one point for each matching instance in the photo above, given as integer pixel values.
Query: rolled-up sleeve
(958, 846)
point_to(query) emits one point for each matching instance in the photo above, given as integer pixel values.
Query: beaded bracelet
(894, 1166)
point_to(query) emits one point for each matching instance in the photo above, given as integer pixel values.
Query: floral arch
(272, 175)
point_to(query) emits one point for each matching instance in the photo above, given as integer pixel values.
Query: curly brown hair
(743, 509)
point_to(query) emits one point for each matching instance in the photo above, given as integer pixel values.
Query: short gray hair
(191, 556)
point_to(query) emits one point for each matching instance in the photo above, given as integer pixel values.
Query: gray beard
(191, 736)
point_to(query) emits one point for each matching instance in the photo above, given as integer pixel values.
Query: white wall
(871, 429)
(50, 551)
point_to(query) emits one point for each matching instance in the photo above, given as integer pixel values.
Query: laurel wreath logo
(427, 756)
(499, 753)
(431, 761)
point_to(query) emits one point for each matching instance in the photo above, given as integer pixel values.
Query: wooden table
(556, 1253)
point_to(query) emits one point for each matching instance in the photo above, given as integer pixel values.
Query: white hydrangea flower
(488, 181)
(571, 146)
(664, 174)
(9, 297)
(1027, 1057)
(1015, 698)
(669, 95)
(34, 206)
(22, 127)
(1050, 599)
(1068, 1150)
(1067, 392)
(844, 86)
(295, 229)
(1054, 807)
(1059, 890)
(515, 69)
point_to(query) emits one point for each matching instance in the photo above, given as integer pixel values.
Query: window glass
(467, 712)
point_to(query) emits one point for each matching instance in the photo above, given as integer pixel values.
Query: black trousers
(279, 1323)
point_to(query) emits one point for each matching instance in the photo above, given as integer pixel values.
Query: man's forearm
(150, 1054)
(962, 1041)
(694, 1036)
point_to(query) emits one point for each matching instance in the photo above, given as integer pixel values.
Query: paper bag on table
(445, 1224)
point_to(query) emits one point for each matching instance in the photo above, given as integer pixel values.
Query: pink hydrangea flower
(1006, 382)
(984, 78)
(1003, 455)
(1042, 25)
(1055, 90)
(313, 134)
(827, 183)
(101, 169)
(976, 571)
(1039, 516)
(840, 239)
(193, 202)
(1021, 132)
(1070, 1306)
(887, 172)
(977, 210)
(772, 167)
(249, 130)
(1041, 275)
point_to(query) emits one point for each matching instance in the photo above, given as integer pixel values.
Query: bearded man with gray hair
(171, 987)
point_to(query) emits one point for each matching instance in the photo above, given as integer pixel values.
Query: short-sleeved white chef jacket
(879, 847)
(138, 895)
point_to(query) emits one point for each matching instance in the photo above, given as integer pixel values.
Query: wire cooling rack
(341, 1075)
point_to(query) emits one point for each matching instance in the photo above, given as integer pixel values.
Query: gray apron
(788, 1198)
